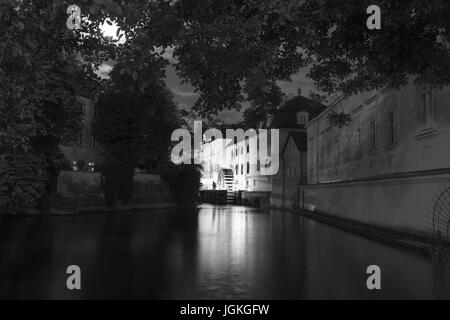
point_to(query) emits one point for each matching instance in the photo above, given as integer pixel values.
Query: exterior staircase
(226, 182)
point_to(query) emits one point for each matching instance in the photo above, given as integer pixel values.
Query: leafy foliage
(184, 183)
(22, 179)
(118, 181)
(133, 125)
(339, 119)
(219, 45)
(264, 95)
(39, 111)
(43, 66)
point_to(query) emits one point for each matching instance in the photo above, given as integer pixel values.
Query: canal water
(215, 252)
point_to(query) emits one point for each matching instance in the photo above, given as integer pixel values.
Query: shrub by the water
(184, 183)
(117, 183)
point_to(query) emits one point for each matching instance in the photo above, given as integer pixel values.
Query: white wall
(332, 150)
(397, 203)
(253, 180)
(214, 158)
(362, 186)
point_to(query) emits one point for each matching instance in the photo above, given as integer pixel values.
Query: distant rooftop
(286, 115)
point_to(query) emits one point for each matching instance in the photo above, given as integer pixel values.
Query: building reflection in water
(214, 252)
(248, 254)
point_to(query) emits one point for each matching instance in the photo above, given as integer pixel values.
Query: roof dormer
(302, 117)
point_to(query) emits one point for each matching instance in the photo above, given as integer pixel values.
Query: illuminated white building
(214, 159)
(246, 165)
(241, 157)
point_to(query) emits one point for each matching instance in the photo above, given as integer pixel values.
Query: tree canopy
(220, 45)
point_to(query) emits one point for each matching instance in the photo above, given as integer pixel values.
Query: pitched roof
(286, 115)
(300, 140)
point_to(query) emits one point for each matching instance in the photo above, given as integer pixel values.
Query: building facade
(387, 164)
(246, 164)
(240, 157)
(292, 171)
(214, 159)
(291, 119)
(237, 156)
(85, 150)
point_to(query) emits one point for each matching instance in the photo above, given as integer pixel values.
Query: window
(358, 140)
(302, 117)
(426, 108)
(80, 139)
(390, 114)
(236, 170)
(248, 168)
(336, 151)
(328, 147)
(372, 135)
(347, 145)
(322, 145)
(242, 169)
(390, 128)
(258, 166)
(247, 144)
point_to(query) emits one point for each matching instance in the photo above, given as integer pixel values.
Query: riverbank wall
(404, 201)
(77, 189)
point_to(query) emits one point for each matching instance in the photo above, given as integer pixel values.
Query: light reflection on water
(217, 252)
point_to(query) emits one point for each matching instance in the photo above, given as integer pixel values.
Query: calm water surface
(215, 252)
